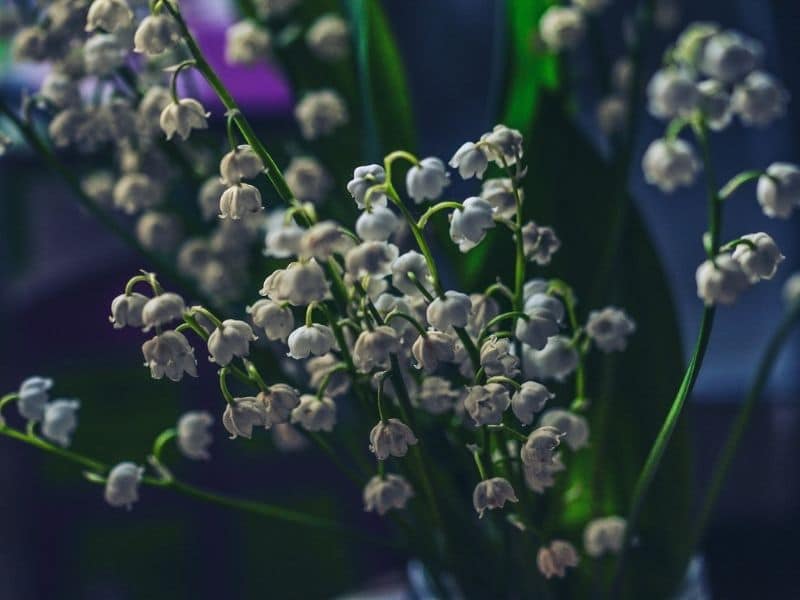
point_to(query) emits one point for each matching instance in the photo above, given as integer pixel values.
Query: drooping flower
(122, 485)
(562, 27)
(528, 400)
(411, 262)
(471, 160)
(760, 258)
(299, 284)
(609, 328)
(432, 349)
(720, 281)
(135, 192)
(242, 415)
(32, 397)
(320, 114)
(162, 309)
(728, 56)
(382, 494)
(715, 104)
(277, 321)
(314, 339)
(669, 164)
(426, 180)
(241, 163)
(759, 99)
(391, 438)
(102, 54)
(500, 194)
(540, 447)
(671, 93)
(604, 535)
(574, 427)
(328, 38)
(553, 560)
(557, 360)
(155, 34)
(232, 338)
(60, 420)
(315, 414)
(377, 225)
(239, 201)
(452, 309)
(194, 436)
(544, 314)
(539, 243)
(365, 177)
(496, 358)
(170, 354)
(246, 42)
(373, 259)
(308, 179)
(373, 349)
(485, 404)
(126, 310)
(182, 117)
(778, 191)
(469, 224)
(503, 145)
(492, 493)
(108, 15)
(159, 232)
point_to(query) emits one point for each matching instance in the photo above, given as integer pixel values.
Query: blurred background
(60, 270)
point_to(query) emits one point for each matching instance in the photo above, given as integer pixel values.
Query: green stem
(729, 188)
(426, 216)
(401, 315)
(223, 386)
(514, 314)
(162, 440)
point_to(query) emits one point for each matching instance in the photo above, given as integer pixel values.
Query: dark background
(60, 270)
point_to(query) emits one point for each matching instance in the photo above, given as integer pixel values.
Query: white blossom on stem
(553, 560)
(122, 485)
(60, 420)
(381, 494)
(760, 258)
(242, 415)
(469, 224)
(391, 437)
(277, 321)
(427, 180)
(32, 397)
(609, 328)
(720, 281)
(315, 414)
(170, 354)
(485, 404)
(126, 310)
(574, 427)
(452, 309)
(314, 339)
(182, 117)
(231, 339)
(491, 494)
(193, 435)
(604, 535)
(528, 400)
(778, 191)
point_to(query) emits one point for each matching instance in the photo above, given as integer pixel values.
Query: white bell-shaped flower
(382, 494)
(328, 38)
(308, 179)
(761, 260)
(759, 99)
(669, 164)
(500, 194)
(450, 310)
(728, 56)
(471, 160)
(108, 15)
(299, 284)
(604, 535)
(714, 102)
(155, 34)
(609, 328)
(503, 145)
(242, 415)
(562, 27)
(539, 243)
(373, 349)
(194, 435)
(574, 427)
(436, 395)
(279, 400)
(528, 400)
(778, 191)
(315, 414)
(553, 560)
(540, 447)
(469, 224)
(169, 354)
(391, 438)
(162, 309)
(720, 281)
(126, 310)
(246, 42)
(122, 485)
(240, 201)
(496, 358)
(60, 421)
(232, 338)
(485, 404)
(308, 340)
(432, 349)
(182, 117)
(134, 192)
(32, 397)
(484, 309)
(377, 225)
(320, 114)
(373, 259)
(791, 290)
(492, 493)
(427, 180)
(544, 313)
(671, 93)
(324, 239)
(365, 177)
(557, 360)
(539, 477)
(411, 262)
(241, 163)
(277, 321)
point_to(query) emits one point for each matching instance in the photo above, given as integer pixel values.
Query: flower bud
(729, 56)
(469, 224)
(471, 160)
(500, 194)
(182, 117)
(242, 415)
(496, 358)
(276, 321)
(759, 99)
(609, 329)
(60, 421)
(669, 164)
(32, 397)
(194, 436)
(529, 399)
(108, 15)
(246, 43)
(720, 281)
(328, 38)
(391, 438)
(299, 284)
(553, 560)
(540, 447)
(320, 113)
(382, 494)
(308, 179)
(169, 354)
(562, 28)
(557, 360)
(672, 93)
(313, 340)
(229, 340)
(373, 259)
(122, 485)
(450, 310)
(365, 177)
(315, 414)
(574, 427)
(126, 310)
(485, 404)
(377, 225)
(539, 243)
(605, 535)
(492, 493)
(155, 34)
(436, 395)
(778, 191)
(373, 349)
(431, 349)
(426, 180)
(162, 309)
(279, 400)
(240, 201)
